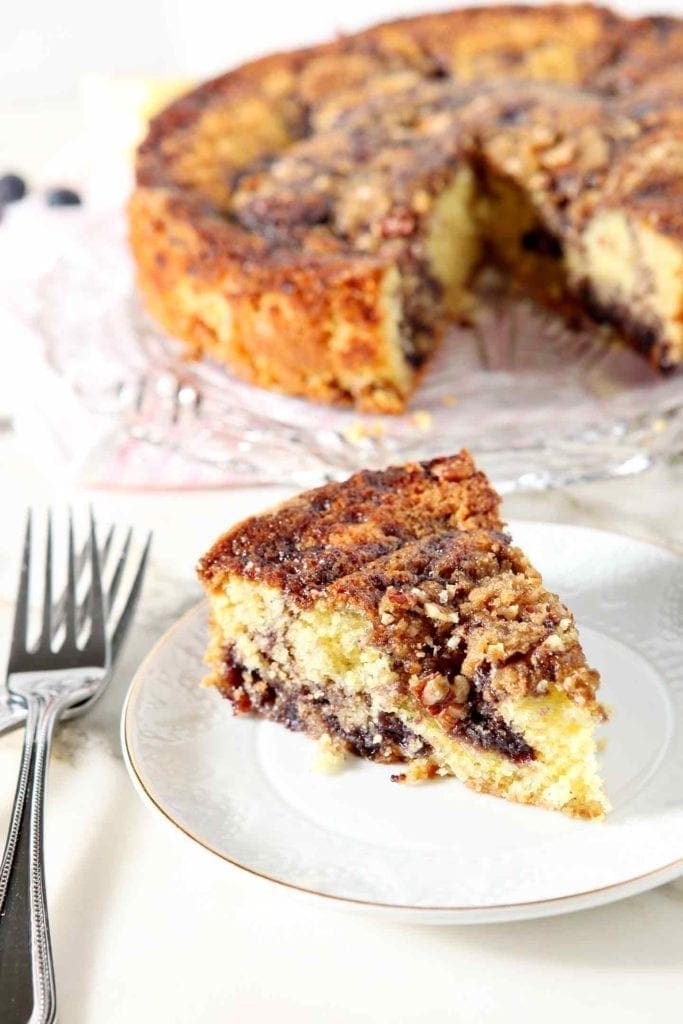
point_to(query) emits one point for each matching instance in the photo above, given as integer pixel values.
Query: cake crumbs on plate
(330, 755)
(420, 770)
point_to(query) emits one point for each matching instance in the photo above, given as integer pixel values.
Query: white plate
(244, 788)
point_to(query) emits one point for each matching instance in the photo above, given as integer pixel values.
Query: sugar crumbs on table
(360, 430)
(422, 420)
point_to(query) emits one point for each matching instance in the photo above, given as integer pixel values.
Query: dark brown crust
(306, 544)
(260, 274)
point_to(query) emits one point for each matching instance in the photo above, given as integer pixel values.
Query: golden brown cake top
(379, 155)
(378, 147)
(309, 542)
(302, 157)
(278, 94)
(650, 53)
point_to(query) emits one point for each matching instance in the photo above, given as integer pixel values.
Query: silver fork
(47, 682)
(12, 711)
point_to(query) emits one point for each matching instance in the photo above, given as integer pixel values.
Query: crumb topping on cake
(464, 613)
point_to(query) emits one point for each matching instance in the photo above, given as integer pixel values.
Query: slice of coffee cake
(392, 614)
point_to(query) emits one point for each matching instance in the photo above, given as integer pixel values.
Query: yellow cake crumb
(330, 755)
(422, 420)
(361, 430)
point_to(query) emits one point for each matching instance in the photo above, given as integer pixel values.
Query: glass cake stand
(538, 402)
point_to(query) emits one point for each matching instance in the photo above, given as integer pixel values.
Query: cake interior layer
(481, 218)
(618, 269)
(630, 274)
(319, 669)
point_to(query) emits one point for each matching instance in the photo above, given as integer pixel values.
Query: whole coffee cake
(315, 219)
(391, 616)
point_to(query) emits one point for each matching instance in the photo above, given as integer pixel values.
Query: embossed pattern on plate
(539, 404)
(244, 788)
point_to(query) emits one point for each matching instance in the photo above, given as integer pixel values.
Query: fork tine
(20, 627)
(59, 611)
(80, 565)
(46, 631)
(70, 591)
(106, 547)
(118, 571)
(97, 636)
(121, 628)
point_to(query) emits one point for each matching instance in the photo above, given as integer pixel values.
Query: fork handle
(27, 983)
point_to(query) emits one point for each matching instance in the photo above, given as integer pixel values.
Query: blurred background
(85, 61)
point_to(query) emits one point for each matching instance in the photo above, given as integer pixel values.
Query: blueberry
(12, 187)
(62, 197)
